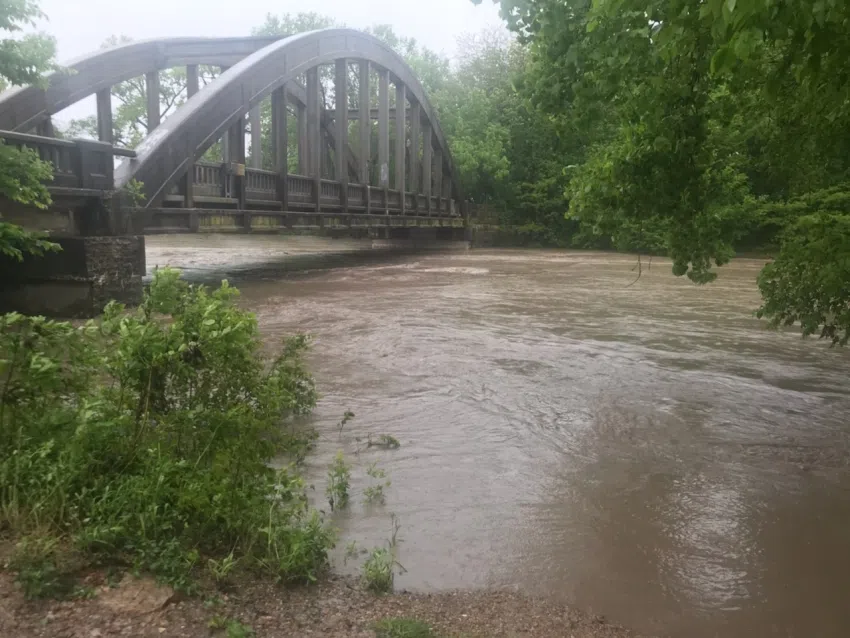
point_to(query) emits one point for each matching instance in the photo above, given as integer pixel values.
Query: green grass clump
(144, 439)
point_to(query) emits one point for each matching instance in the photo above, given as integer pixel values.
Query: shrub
(145, 437)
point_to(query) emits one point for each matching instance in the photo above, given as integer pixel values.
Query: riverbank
(334, 607)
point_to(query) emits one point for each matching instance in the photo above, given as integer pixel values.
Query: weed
(35, 560)
(379, 568)
(385, 441)
(232, 627)
(346, 417)
(351, 549)
(217, 622)
(339, 480)
(402, 628)
(220, 569)
(236, 629)
(375, 493)
(83, 592)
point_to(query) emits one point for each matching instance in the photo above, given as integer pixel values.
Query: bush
(145, 437)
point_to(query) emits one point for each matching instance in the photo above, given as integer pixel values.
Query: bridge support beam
(104, 115)
(152, 93)
(314, 135)
(280, 145)
(341, 150)
(400, 140)
(415, 166)
(255, 118)
(365, 125)
(79, 280)
(427, 163)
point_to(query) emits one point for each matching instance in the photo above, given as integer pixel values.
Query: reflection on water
(649, 452)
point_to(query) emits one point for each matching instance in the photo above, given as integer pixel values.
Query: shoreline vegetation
(137, 495)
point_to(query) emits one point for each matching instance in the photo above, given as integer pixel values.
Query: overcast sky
(81, 25)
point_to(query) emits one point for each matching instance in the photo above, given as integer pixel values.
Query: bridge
(343, 140)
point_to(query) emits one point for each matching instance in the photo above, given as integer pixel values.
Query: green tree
(713, 124)
(23, 60)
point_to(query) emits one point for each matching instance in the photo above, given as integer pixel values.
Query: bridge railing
(77, 164)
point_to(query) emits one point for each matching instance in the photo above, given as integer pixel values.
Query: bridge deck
(232, 198)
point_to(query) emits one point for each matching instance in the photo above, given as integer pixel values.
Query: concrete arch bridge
(328, 131)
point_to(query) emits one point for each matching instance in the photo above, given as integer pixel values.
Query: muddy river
(648, 452)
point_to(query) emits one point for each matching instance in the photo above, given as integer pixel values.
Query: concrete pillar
(365, 124)
(383, 128)
(152, 93)
(341, 122)
(104, 116)
(256, 137)
(79, 280)
(400, 140)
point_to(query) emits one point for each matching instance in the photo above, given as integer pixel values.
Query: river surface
(645, 450)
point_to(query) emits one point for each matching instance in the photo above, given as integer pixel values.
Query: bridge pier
(79, 280)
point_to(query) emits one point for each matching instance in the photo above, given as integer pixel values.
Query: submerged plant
(339, 481)
(380, 566)
(375, 493)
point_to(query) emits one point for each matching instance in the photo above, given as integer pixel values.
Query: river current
(642, 448)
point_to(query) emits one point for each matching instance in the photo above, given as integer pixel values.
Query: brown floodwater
(645, 450)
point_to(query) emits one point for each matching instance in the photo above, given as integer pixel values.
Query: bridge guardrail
(77, 163)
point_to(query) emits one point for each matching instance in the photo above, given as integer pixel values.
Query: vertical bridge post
(400, 141)
(280, 145)
(427, 163)
(438, 177)
(384, 133)
(104, 115)
(255, 118)
(152, 93)
(192, 87)
(365, 124)
(340, 153)
(415, 166)
(314, 135)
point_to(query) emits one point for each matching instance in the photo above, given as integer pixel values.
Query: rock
(135, 596)
(95, 633)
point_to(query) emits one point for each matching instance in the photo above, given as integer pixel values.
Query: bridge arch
(166, 154)
(30, 108)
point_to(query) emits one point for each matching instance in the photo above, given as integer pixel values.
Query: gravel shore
(335, 607)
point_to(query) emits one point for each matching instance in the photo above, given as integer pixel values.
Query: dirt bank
(335, 607)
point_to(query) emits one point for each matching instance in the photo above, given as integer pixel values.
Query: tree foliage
(23, 60)
(711, 126)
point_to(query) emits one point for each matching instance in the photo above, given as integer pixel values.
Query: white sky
(81, 25)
